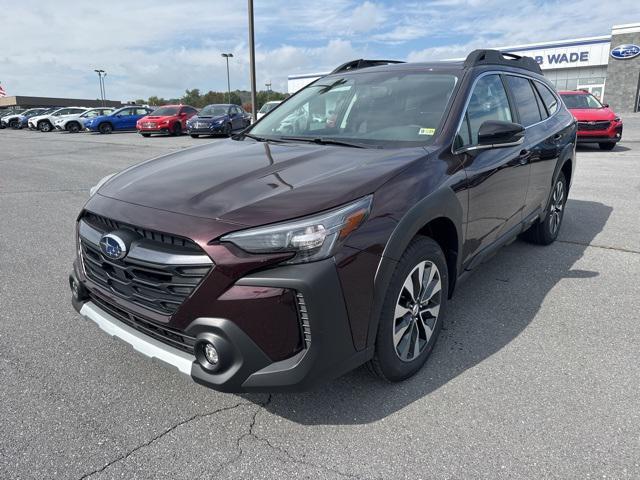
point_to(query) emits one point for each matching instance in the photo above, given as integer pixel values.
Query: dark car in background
(218, 119)
(5, 114)
(597, 123)
(169, 119)
(275, 260)
(121, 120)
(23, 119)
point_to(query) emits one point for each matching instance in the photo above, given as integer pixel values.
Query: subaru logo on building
(624, 52)
(112, 246)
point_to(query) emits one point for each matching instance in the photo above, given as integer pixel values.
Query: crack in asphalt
(290, 457)
(605, 247)
(159, 436)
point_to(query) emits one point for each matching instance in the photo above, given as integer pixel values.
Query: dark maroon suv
(332, 232)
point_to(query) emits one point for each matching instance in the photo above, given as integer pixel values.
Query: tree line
(197, 99)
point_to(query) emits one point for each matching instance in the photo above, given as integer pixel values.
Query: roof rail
(362, 63)
(496, 57)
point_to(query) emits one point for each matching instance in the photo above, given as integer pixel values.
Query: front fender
(442, 203)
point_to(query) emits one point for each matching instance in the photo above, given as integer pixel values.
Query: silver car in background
(75, 123)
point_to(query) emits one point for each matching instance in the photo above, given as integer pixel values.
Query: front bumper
(612, 134)
(209, 130)
(244, 366)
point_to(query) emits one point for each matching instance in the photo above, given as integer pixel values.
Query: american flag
(2, 92)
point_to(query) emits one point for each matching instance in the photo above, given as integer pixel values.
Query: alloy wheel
(557, 205)
(417, 310)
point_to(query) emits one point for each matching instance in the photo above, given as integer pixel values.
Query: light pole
(101, 74)
(252, 61)
(227, 56)
(268, 85)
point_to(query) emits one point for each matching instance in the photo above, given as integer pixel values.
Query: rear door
(542, 137)
(497, 178)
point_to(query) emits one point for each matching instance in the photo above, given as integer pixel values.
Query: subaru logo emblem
(112, 246)
(624, 52)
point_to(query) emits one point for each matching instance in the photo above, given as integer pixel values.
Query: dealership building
(608, 66)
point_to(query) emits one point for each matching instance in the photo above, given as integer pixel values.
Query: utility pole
(101, 74)
(252, 61)
(227, 56)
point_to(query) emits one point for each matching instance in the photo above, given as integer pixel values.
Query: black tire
(194, 135)
(607, 145)
(73, 127)
(227, 130)
(176, 129)
(13, 124)
(387, 362)
(44, 126)
(146, 135)
(546, 230)
(105, 128)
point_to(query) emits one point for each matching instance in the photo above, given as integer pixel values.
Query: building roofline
(558, 43)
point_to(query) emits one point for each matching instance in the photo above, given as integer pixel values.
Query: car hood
(209, 119)
(252, 183)
(158, 118)
(589, 114)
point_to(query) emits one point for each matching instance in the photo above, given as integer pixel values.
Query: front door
(497, 178)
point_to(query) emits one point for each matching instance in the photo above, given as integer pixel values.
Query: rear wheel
(546, 230)
(411, 316)
(607, 145)
(105, 128)
(73, 127)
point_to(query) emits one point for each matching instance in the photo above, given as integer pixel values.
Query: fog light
(211, 354)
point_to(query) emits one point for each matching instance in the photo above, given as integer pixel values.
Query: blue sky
(162, 48)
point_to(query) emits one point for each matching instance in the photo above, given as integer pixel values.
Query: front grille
(166, 335)
(304, 319)
(590, 126)
(159, 287)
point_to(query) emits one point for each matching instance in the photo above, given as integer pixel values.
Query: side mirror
(496, 134)
(605, 105)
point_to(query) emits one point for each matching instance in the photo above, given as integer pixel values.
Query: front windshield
(267, 107)
(581, 100)
(380, 109)
(165, 112)
(213, 110)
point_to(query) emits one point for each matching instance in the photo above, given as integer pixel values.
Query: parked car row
(213, 119)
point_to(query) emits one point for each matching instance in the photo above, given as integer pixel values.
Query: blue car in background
(218, 118)
(124, 118)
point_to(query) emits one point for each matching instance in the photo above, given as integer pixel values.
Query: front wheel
(146, 135)
(194, 135)
(105, 128)
(176, 129)
(73, 127)
(607, 145)
(411, 316)
(44, 126)
(546, 230)
(227, 130)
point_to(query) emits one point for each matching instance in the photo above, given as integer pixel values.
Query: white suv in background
(75, 123)
(44, 123)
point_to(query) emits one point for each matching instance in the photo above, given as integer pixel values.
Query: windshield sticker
(427, 131)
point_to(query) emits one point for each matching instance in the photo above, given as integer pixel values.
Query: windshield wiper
(329, 141)
(257, 138)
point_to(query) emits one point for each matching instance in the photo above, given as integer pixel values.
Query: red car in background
(169, 119)
(597, 123)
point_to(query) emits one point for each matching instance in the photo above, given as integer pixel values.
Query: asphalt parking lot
(535, 375)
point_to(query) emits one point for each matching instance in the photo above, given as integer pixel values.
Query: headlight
(96, 187)
(617, 119)
(311, 238)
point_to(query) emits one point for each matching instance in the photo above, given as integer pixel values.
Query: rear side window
(525, 99)
(488, 101)
(549, 99)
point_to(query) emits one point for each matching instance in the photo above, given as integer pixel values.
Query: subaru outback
(275, 261)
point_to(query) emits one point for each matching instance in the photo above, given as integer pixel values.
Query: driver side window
(488, 102)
